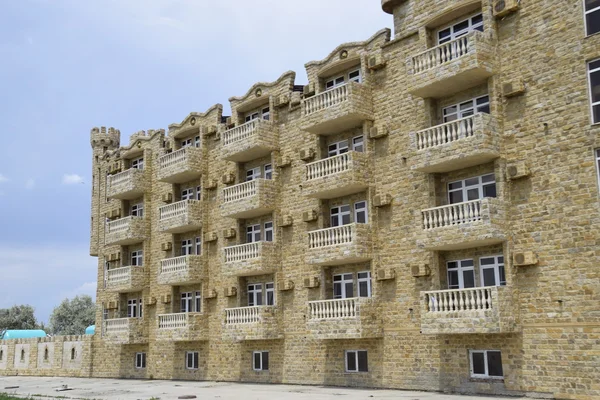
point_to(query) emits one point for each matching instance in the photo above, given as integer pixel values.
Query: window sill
(486, 379)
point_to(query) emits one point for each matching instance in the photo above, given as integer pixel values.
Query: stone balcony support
(182, 270)
(337, 176)
(182, 327)
(183, 216)
(252, 323)
(249, 199)
(254, 139)
(249, 259)
(180, 166)
(124, 231)
(126, 185)
(351, 318)
(125, 279)
(344, 244)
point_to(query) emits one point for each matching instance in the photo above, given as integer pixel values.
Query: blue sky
(67, 66)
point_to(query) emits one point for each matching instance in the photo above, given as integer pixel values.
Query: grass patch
(6, 396)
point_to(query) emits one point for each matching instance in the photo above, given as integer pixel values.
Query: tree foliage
(71, 317)
(17, 317)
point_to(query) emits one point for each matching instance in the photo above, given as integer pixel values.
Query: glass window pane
(596, 114)
(265, 360)
(337, 290)
(256, 360)
(489, 191)
(455, 185)
(349, 289)
(488, 178)
(477, 19)
(270, 298)
(472, 194)
(345, 219)
(472, 181)
(494, 363)
(351, 360)
(363, 289)
(461, 26)
(594, 64)
(489, 278)
(466, 263)
(595, 85)
(478, 363)
(362, 361)
(259, 299)
(468, 279)
(487, 261)
(484, 109)
(502, 276)
(593, 22)
(456, 197)
(452, 279)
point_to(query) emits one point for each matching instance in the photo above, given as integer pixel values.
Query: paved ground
(45, 388)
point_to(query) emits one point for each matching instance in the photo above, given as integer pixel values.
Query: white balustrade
(173, 158)
(118, 275)
(243, 315)
(452, 214)
(173, 321)
(122, 178)
(240, 191)
(325, 99)
(242, 132)
(460, 299)
(243, 252)
(116, 325)
(443, 53)
(172, 265)
(120, 225)
(329, 166)
(331, 236)
(175, 209)
(446, 133)
(332, 309)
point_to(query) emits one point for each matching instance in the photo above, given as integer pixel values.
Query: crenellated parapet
(103, 137)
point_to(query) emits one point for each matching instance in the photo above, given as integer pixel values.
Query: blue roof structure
(90, 330)
(23, 334)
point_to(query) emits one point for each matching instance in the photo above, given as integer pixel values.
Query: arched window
(73, 353)
(22, 354)
(46, 354)
(1, 354)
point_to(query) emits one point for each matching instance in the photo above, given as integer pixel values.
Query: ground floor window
(486, 364)
(260, 361)
(140, 360)
(356, 361)
(191, 360)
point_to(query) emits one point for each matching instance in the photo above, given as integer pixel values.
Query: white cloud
(71, 179)
(3, 178)
(29, 184)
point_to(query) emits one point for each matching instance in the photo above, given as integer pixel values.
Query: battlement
(104, 137)
(144, 135)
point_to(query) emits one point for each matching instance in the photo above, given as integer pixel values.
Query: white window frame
(251, 116)
(340, 214)
(140, 308)
(187, 302)
(261, 358)
(344, 279)
(358, 144)
(265, 113)
(335, 82)
(354, 353)
(480, 185)
(137, 258)
(460, 268)
(269, 231)
(485, 363)
(268, 168)
(456, 34)
(187, 247)
(137, 210)
(270, 290)
(104, 314)
(198, 247)
(187, 194)
(140, 360)
(191, 360)
(361, 207)
(592, 103)
(198, 193)
(197, 141)
(253, 233)
(260, 113)
(252, 174)
(337, 148)
(137, 163)
(365, 278)
(356, 78)
(466, 108)
(186, 143)
(496, 266)
(197, 301)
(132, 308)
(255, 293)
(585, 14)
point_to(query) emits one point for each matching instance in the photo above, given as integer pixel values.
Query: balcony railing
(457, 300)
(122, 178)
(243, 252)
(441, 54)
(329, 166)
(331, 236)
(121, 224)
(446, 133)
(242, 132)
(243, 315)
(240, 191)
(126, 185)
(174, 265)
(118, 276)
(332, 309)
(173, 321)
(116, 326)
(453, 214)
(325, 99)
(125, 279)
(173, 158)
(175, 209)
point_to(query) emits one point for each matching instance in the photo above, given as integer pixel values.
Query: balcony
(463, 225)
(345, 244)
(353, 318)
(475, 310)
(126, 185)
(455, 145)
(249, 259)
(183, 216)
(249, 199)
(338, 109)
(124, 231)
(182, 270)
(182, 327)
(249, 141)
(124, 331)
(180, 166)
(252, 323)
(125, 279)
(451, 67)
(337, 176)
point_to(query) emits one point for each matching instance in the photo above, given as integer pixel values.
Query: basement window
(191, 360)
(592, 16)
(260, 360)
(356, 361)
(140, 360)
(486, 364)
(594, 78)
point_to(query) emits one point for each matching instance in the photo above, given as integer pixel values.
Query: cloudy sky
(70, 65)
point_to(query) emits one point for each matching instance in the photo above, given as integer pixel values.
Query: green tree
(17, 317)
(71, 317)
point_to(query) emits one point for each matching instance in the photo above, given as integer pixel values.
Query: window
(335, 149)
(268, 171)
(46, 354)
(260, 360)
(137, 210)
(269, 231)
(141, 309)
(191, 360)
(22, 355)
(198, 192)
(1, 354)
(140, 360)
(354, 76)
(266, 113)
(335, 82)
(191, 302)
(360, 212)
(592, 16)
(255, 295)
(358, 144)
(187, 194)
(198, 301)
(186, 143)
(356, 361)
(198, 246)
(251, 116)
(343, 286)
(137, 258)
(461, 274)
(594, 78)
(253, 233)
(340, 215)
(186, 247)
(197, 141)
(138, 163)
(73, 354)
(270, 289)
(492, 271)
(263, 113)
(486, 364)
(364, 284)
(104, 314)
(474, 23)
(252, 174)
(472, 189)
(132, 310)
(466, 108)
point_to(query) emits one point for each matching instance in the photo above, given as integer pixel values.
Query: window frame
(132, 308)
(464, 189)
(140, 360)
(261, 367)
(255, 291)
(187, 247)
(186, 304)
(342, 283)
(253, 233)
(358, 141)
(198, 246)
(460, 269)
(197, 301)
(334, 82)
(269, 290)
(339, 214)
(339, 148)
(366, 279)
(497, 266)
(454, 35)
(593, 104)
(253, 174)
(356, 362)
(587, 12)
(474, 108)
(194, 360)
(268, 171)
(269, 228)
(485, 363)
(363, 209)
(188, 193)
(137, 210)
(137, 163)
(137, 258)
